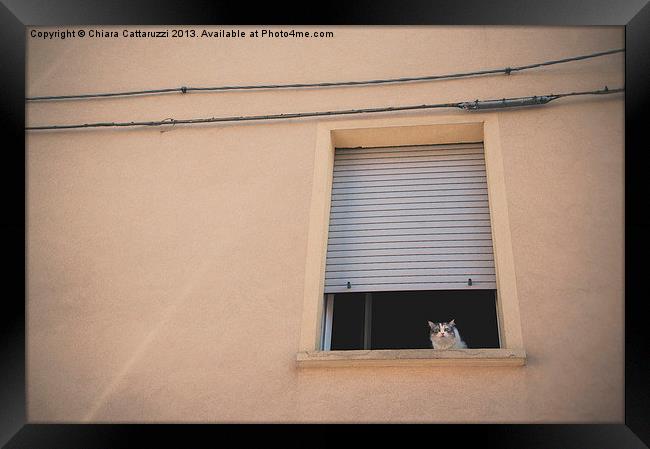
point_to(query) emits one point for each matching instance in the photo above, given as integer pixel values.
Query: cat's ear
(430, 324)
(452, 322)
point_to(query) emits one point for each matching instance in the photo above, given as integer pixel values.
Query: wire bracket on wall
(168, 120)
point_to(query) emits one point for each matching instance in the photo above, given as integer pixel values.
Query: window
(409, 241)
(384, 307)
(394, 320)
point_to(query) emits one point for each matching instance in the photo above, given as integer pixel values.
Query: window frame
(427, 130)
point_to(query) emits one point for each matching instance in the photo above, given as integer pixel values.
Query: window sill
(412, 357)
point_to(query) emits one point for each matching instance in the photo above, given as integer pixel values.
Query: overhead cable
(465, 105)
(185, 89)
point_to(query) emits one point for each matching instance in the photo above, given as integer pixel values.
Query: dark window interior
(399, 319)
(347, 321)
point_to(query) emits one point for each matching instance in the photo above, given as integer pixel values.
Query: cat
(445, 336)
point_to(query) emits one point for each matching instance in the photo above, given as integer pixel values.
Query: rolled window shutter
(409, 218)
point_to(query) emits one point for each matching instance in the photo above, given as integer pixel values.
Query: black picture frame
(15, 15)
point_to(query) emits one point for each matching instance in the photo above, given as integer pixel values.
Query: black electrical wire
(185, 89)
(466, 105)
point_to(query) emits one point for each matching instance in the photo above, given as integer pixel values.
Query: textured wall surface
(166, 266)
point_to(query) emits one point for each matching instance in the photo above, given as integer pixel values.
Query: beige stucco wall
(166, 267)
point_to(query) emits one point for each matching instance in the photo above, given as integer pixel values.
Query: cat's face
(442, 330)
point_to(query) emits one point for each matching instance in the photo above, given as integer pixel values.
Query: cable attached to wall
(185, 89)
(465, 105)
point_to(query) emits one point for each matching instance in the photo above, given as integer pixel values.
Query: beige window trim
(412, 357)
(421, 130)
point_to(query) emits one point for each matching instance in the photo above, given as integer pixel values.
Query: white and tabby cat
(445, 336)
